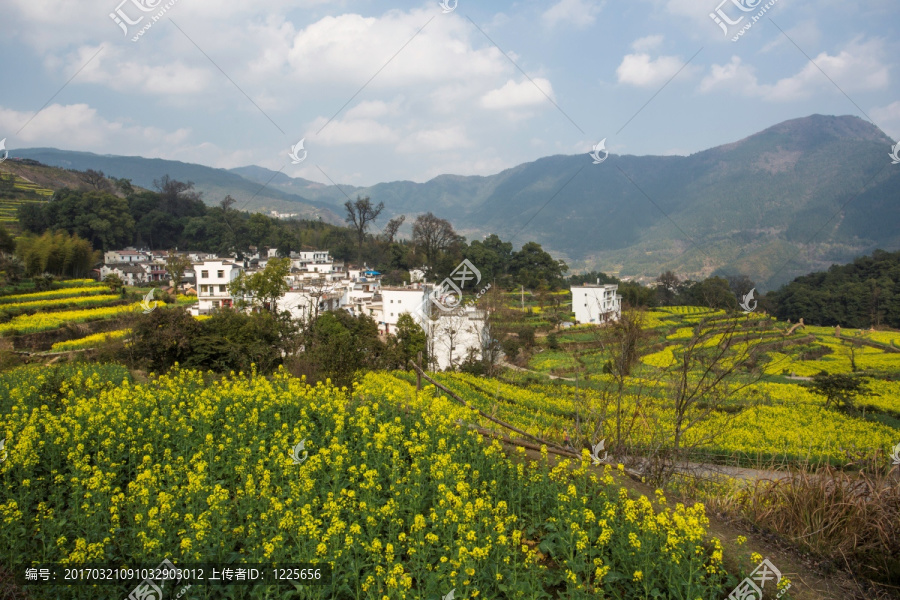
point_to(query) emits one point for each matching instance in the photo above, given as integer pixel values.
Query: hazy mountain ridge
(785, 201)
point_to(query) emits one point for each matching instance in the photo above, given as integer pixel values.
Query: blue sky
(231, 83)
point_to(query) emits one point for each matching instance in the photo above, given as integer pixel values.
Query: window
(222, 289)
(204, 289)
(220, 274)
(204, 274)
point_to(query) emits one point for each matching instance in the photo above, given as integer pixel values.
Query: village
(318, 283)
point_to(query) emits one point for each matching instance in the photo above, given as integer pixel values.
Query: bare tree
(433, 235)
(667, 287)
(701, 383)
(491, 306)
(226, 203)
(390, 230)
(172, 192)
(359, 214)
(622, 341)
(95, 179)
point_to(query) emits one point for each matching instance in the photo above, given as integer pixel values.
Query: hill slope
(215, 184)
(794, 198)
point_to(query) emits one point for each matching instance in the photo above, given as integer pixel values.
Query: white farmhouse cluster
(318, 283)
(139, 267)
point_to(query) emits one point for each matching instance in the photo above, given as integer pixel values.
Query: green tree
(412, 340)
(840, 390)
(667, 288)
(234, 341)
(57, 253)
(114, 282)
(260, 227)
(592, 277)
(176, 265)
(7, 243)
(43, 283)
(636, 295)
(163, 337)
(99, 217)
(262, 289)
(532, 267)
(713, 292)
(340, 344)
(492, 256)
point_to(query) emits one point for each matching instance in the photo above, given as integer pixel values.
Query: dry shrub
(852, 519)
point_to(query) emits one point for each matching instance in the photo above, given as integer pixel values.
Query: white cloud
(350, 131)
(79, 127)
(734, 76)
(645, 44)
(805, 34)
(374, 109)
(435, 140)
(643, 71)
(578, 13)
(349, 49)
(518, 95)
(857, 68)
(110, 69)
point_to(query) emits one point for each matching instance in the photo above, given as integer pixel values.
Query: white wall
(215, 294)
(396, 302)
(453, 335)
(596, 303)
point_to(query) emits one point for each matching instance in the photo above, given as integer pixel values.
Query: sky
(385, 91)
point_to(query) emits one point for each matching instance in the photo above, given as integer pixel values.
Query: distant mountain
(794, 198)
(214, 183)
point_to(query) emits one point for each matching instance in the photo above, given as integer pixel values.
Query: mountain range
(797, 197)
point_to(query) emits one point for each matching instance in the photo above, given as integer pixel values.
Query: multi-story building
(213, 279)
(596, 303)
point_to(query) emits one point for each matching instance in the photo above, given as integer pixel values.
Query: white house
(395, 301)
(455, 335)
(303, 304)
(125, 256)
(451, 335)
(129, 273)
(596, 303)
(213, 278)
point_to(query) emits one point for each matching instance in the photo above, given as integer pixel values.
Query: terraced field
(15, 193)
(774, 417)
(57, 314)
